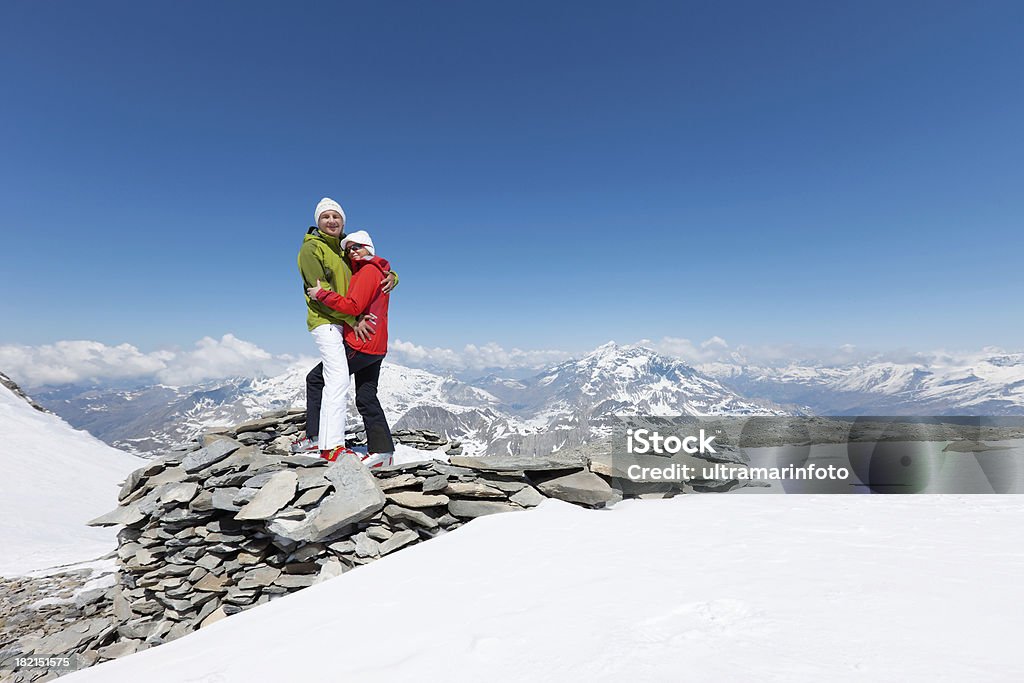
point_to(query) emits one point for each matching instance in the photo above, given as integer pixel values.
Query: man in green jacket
(327, 384)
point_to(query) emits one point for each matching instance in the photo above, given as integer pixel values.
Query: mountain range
(561, 406)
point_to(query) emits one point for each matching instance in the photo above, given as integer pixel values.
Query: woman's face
(330, 223)
(356, 250)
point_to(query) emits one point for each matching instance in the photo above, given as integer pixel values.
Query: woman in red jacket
(365, 295)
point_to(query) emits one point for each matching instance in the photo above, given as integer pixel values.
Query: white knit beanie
(358, 237)
(328, 204)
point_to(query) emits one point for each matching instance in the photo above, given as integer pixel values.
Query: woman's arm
(361, 289)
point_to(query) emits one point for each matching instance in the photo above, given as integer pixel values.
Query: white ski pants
(336, 381)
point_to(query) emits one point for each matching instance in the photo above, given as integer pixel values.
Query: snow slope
(700, 587)
(53, 479)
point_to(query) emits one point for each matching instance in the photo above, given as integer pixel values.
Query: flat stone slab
(479, 508)
(125, 514)
(528, 497)
(520, 463)
(356, 496)
(275, 494)
(415, 499)
(415, 516)
(204, 457)
(402, 538)
(181, 492)
(472, 489)
(585, 488)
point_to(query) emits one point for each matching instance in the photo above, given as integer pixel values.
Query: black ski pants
(366, 369)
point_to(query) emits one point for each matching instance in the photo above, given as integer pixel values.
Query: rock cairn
(236, 523)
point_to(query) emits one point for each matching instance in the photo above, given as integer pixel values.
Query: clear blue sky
(542, 175)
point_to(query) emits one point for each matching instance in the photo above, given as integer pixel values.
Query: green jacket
(320, 259)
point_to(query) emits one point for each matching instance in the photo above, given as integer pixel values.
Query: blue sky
(542, 175)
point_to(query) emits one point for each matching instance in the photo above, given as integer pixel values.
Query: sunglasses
(353, 247)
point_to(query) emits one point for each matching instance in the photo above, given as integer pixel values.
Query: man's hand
(364, 328)
(389, 282)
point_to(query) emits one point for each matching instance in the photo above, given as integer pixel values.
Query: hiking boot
(333, 454)
(304, 445)
(375, 460)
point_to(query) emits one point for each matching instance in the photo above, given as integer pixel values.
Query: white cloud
(471, 357)
(66, 362)
(716, 350)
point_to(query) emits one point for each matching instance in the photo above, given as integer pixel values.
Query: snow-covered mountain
(154, 418)
(579, 399)
(561, 407)
(972, 384)
(55, 479)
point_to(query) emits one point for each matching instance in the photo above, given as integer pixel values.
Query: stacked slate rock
(274, 433)
(235, 524)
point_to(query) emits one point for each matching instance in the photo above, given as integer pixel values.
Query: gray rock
(147, 607)
(275, 494)
(204, 457)
(311, 497)
(355, 498)
(254, 425)
(508, 463)
(342, 547)
(206, 610)
(245, 437)
(223, 499)
(330, 569)
(296, 580)
(122, 608)
(404, 479)
(89, 597)
(400, 539)
(470, 489)
(170, 475)
(139, 628)
(212, 583)
(203, 502)
(582, 487)
(257, 481)
(127, 514)
(121, 648)
(435, 483)
(215, 616)
(257, 578)
(506, 486)
(209, 562)
(528, 497)
(311, 478)
(366, 546)
(447, 521)
(414, 516)
(478, 508)
(415, 499)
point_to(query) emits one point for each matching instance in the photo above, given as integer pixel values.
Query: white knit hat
(358, 237)
(328, 204)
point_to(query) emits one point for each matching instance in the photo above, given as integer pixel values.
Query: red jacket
(364, 296)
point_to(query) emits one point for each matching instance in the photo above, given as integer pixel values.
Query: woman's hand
(314, 291)
(365, 326)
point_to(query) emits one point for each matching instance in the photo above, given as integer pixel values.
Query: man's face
(330, 223)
